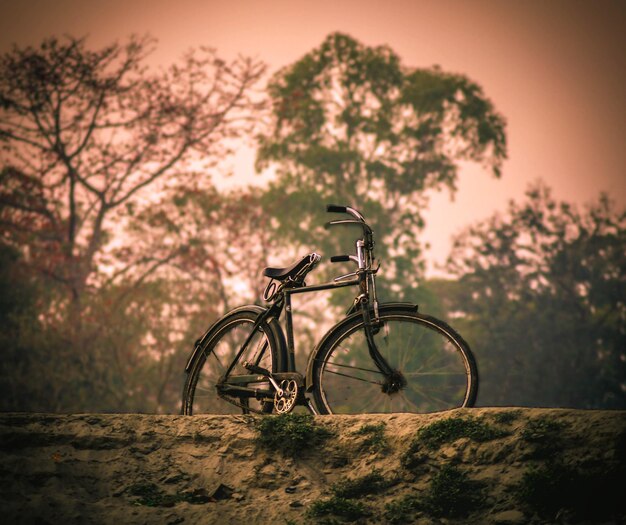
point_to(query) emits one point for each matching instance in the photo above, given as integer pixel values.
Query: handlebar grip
(339, 258)
(334, 208)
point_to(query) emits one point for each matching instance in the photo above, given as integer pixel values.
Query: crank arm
(263, 371)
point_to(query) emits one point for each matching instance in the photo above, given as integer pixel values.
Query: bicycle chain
(232, 401)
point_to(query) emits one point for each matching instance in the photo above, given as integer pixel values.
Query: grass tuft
(290, 434)
(402, 510)
(446, 431)
(452, 494)
(374, 437)
(545, 435)
(337, 506)
(506, 418)
(354, 488)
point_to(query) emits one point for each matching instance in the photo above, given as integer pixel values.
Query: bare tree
(84, 134)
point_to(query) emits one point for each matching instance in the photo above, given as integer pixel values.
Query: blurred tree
(541, 297)
(351, 125)
(84, 133)
(18, 298)
(222, 241)
(86, 137)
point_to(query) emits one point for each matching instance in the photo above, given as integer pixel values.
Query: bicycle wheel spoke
(217, 359)
(431, 367)
(353, 367)
(429, 396)
(409, 402)
(354, 377)
(422, 374)
(201, 394)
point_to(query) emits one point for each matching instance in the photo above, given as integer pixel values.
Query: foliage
(342, 507)
(371, 483)
(291, 434)
(452, 494)
(374, 437)
(545, 436)
(18, 313)
(507, 417)
(89, 138)
(402, 510)
(85, 133)
(150, 495)
(351, 125)
(540, 297)
(450, 429)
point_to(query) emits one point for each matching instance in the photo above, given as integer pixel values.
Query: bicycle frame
(287, 293)
(282, 302)
(364, 278)
(239, 375)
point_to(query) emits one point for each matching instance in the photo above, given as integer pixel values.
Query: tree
(351, 125)
(85, 133)
(87, 138)
(541, 297)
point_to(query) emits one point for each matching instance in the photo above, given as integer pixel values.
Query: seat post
(291, 353)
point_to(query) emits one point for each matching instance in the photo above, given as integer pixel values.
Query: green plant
(446, 431)
(506, 418)
(452, 494)
(451, 429)
(150, 495)
(338, 506)
(545, 435)
(354, 488)
(290, 433)
(401, 510)
(375, 439)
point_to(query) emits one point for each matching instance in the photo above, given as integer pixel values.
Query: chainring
(284, 403)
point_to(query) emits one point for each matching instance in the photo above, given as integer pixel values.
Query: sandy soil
(144, 469)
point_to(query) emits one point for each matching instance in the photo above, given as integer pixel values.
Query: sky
(556, 70)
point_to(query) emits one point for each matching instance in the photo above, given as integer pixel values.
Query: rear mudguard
(271, 322)
(382, 308)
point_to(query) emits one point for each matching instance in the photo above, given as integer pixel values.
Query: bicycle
(382, 357)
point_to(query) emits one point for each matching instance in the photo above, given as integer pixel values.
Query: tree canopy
(88, 140)
(351, 125)
(85, 132)
(116, 251)
(541, 296)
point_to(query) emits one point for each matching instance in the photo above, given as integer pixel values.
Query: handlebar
(335, 208)
(364, 246)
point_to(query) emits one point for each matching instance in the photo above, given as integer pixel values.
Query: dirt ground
(401, 468)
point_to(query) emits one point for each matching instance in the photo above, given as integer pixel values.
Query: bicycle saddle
(280, 274)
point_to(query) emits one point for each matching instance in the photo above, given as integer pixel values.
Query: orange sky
(555, 69)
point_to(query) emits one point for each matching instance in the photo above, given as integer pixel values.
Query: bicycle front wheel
(205, 390)
(434, 368)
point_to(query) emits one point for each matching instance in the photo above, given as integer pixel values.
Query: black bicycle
(383, 357)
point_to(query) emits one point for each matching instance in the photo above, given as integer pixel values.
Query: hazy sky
(555, 69)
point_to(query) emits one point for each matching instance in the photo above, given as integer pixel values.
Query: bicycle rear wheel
(434, 368)
(200, 394)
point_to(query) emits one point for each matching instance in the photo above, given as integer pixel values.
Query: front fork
(371, 327)
(394, 380)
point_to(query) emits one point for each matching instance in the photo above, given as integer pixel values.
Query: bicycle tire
(217, 351)
(437, 366)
